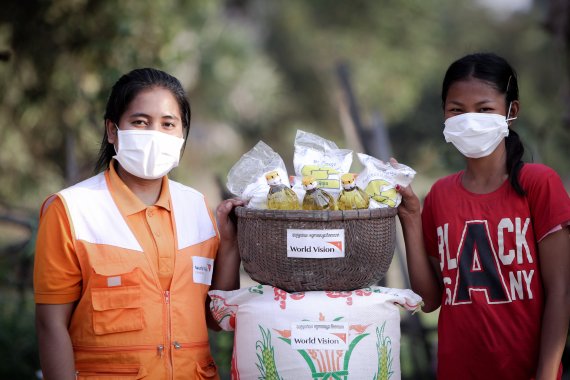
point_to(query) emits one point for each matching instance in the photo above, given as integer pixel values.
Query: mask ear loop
(509, 113)
(117, 139)
(511, 103)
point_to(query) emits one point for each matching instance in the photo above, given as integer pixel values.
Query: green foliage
(398, 53)
(18, 347)
(255, 70)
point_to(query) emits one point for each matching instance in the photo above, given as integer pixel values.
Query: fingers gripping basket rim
(370, 236)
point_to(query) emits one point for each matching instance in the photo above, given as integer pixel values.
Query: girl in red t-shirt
(491, 246)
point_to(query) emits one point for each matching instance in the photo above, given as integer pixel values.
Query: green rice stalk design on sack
(384, 347)
(266, 357)
(258, 289)
(333, 368)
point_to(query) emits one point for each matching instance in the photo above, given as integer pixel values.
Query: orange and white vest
(124, 325)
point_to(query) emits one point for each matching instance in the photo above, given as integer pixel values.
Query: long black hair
(123, 93)
(498, 73)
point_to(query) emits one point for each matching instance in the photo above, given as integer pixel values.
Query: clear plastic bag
(246, 179)
(322, 159)
(379, 180)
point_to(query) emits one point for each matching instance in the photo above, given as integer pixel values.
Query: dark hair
(123, 93)
(498, 73)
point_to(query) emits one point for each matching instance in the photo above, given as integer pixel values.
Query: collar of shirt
(130, 203)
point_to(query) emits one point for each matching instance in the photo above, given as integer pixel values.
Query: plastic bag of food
(322, 159)
(246, 179)
(379, 180)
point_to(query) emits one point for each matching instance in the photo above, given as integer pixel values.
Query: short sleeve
(428, 227)
(548, 200)
(57, 273)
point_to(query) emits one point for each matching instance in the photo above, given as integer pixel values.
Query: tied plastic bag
(379, 180)
(246, 178)
(322, 159)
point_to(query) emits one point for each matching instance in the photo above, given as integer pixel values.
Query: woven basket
(370, 237)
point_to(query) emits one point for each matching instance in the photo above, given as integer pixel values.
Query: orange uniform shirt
(57, 275)
(139, 276)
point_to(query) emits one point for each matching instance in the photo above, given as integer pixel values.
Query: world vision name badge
(202, 270)
(315, 244)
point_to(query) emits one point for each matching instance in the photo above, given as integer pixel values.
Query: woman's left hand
(226, 221)
(226, 268)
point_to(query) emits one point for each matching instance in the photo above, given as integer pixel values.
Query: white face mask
(148, 154)
(476, 135)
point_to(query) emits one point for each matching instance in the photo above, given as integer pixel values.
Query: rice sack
(314, 335)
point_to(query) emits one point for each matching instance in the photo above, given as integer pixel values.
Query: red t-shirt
(491, 308)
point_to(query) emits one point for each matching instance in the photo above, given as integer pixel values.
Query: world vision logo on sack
(323, 362)
(202, 269)
(315, 244)
(319, 335)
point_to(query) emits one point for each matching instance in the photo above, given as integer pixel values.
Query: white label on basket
(319, 335)
(315, 244)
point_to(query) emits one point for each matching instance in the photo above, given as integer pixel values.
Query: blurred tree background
(254, 70)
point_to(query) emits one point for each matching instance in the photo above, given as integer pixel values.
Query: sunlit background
(253, 70)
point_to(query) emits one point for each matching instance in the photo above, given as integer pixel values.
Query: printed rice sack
(314, 335)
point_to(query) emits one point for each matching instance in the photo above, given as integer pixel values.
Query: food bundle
(322, 180)
(324, 228)
(314, 335)
(317, 242)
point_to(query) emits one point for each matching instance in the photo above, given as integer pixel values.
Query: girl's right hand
(410, 205)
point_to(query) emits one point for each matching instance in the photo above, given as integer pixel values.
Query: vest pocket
(108, 371)
(117, 308)
(207, 369)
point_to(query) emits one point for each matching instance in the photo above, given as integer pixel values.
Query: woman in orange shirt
(124, 259)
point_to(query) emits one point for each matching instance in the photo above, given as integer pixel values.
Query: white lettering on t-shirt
(517, 284)
(498, 284)
(521, 240)
(527, 280)
(506, 226)
(443, 247)
(448, 295)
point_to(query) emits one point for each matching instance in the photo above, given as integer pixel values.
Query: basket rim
(315, 215)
